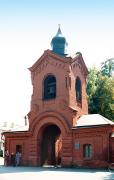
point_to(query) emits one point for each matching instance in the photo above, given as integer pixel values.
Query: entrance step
(51, 166)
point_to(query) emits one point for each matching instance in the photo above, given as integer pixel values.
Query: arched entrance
(51, 146)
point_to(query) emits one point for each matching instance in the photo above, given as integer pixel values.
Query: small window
(49, 87)
(87, 151)
(78, 90)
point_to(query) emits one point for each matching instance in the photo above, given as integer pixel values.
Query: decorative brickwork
(53, 137)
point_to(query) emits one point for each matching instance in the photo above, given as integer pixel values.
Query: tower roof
(59, 43)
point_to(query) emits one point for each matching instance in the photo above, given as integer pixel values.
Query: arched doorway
(51, 146)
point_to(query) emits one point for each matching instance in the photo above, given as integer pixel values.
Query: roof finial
(59, 25)
(59, 33)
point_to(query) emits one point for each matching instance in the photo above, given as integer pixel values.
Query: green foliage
(91, 89)
(108, 67)
(100, 91)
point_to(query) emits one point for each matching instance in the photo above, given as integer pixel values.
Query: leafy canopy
(100, 91)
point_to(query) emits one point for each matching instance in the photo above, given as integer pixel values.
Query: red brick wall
(66, 73)
(63, 111)
(99, 140)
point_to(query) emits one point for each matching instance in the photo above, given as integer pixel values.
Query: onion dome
(59, 43)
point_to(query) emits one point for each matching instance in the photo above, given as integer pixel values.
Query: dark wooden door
(49, 146)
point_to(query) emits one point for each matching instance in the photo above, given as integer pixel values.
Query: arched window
(49, 87)
(78, 89)
(87, 151)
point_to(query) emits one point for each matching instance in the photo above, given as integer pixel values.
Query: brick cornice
(45, 56)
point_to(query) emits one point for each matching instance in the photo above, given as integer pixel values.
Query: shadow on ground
(107, 174)
(10, 169)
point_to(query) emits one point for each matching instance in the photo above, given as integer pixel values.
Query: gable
(78, 61)
(49, 57)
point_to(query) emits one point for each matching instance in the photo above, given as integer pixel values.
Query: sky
(26, 30)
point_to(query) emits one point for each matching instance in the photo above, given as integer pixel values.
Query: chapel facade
(61, 132)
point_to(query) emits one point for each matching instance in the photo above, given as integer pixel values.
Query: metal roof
(92, 120)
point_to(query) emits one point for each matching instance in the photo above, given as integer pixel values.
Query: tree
(104, 96)
(112, 104)
(107, 67)
(100, 90)
(91, 88)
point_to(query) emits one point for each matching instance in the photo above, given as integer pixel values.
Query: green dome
(59, 43)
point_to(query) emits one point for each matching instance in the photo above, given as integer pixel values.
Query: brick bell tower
(58, 100)
(59, 83)
(57, 135)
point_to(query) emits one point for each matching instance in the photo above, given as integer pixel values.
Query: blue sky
(26, 30)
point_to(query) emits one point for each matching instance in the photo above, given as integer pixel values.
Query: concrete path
(37, 173)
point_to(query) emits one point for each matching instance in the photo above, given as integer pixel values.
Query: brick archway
(38, 130)
(50, 117)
